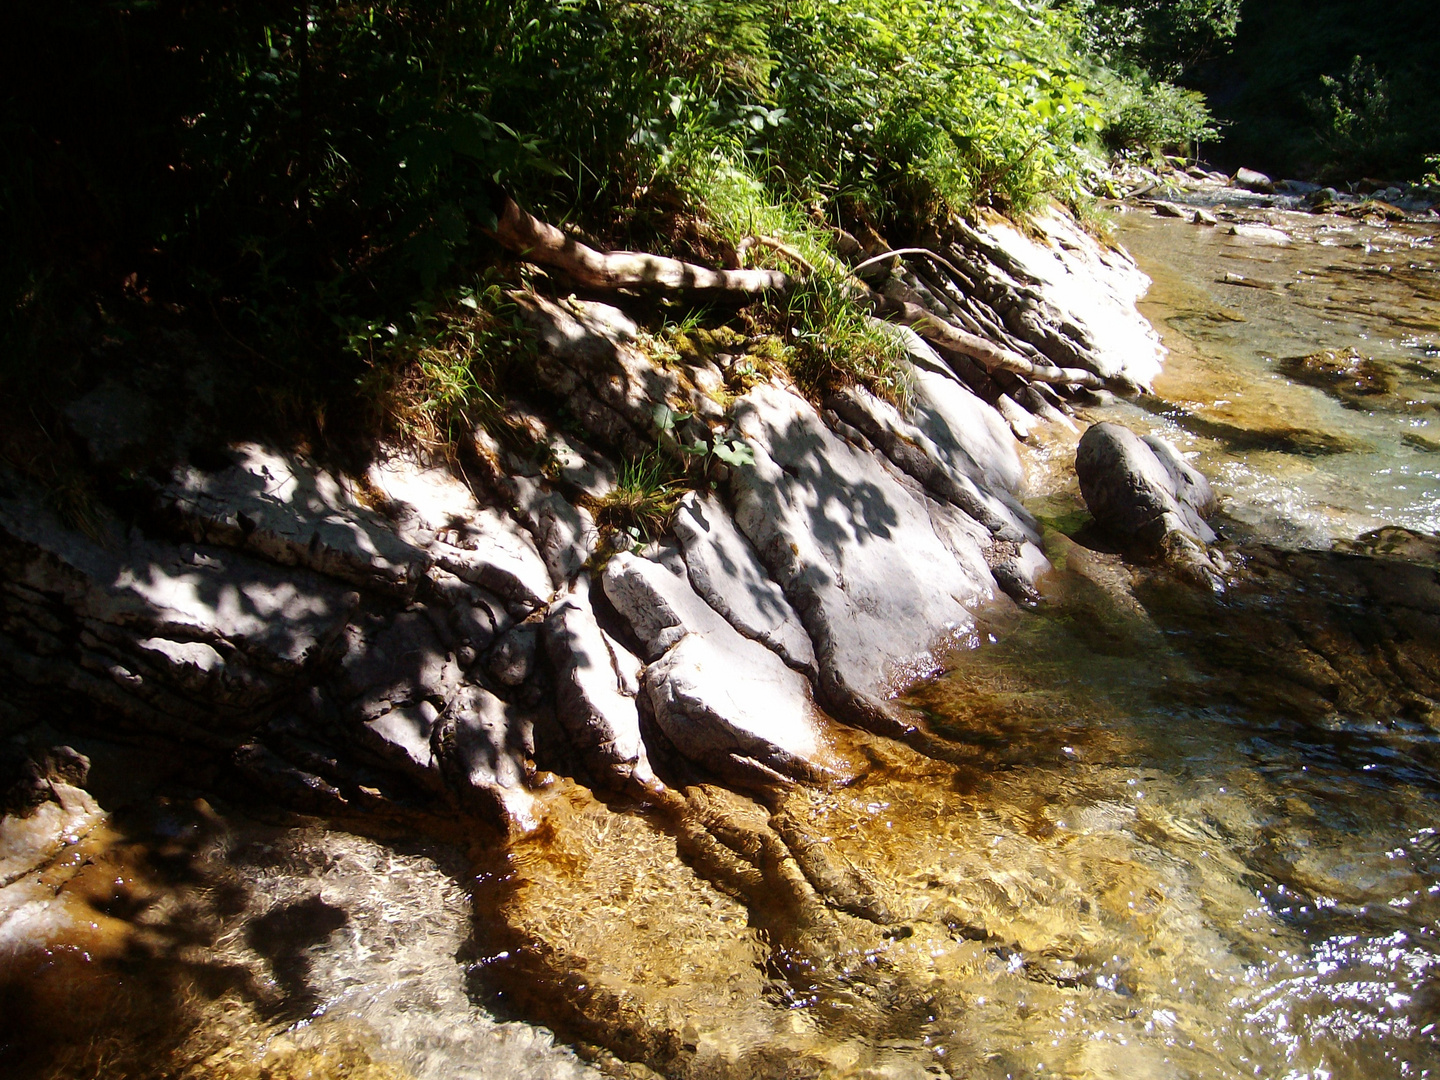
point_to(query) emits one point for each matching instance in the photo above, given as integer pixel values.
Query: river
(1150, 849)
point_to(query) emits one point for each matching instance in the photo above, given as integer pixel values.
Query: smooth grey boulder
(1251, 180)
(659, 606)
(1142, 491)
(880, 594)
(731, 705)
(726, 702)
(727, 574)
(601, 718)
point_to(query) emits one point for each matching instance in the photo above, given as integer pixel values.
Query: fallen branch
(537, 242)
(905, 251)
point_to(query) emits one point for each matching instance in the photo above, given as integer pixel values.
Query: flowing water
(1156, 833)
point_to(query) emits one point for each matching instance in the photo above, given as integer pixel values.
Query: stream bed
(1155, 834)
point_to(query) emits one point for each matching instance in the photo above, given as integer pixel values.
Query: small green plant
(643, 502)
(833, 342)
(1432, 171)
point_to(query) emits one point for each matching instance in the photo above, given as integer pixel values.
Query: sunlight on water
(1301, 456)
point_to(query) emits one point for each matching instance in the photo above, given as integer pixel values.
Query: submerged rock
(1355, 379)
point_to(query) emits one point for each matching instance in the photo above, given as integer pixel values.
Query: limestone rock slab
(726, 702)
(599, 716)
(731, 705)
(855, 552)
(282, 508)
(727, 574)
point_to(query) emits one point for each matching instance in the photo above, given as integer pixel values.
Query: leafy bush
(1352, 119)
(1155, 116)
(279, 173)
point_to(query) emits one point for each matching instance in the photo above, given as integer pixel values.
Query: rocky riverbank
(648, 747)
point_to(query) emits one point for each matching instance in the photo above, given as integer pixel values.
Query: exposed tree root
(535, 241)
(975, 302)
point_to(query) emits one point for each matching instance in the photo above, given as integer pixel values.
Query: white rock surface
(879, 592)
(591, 704)
(1094, 286)
(726, 702)
(727, 574)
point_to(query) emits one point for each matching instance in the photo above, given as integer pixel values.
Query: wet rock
(1355, 379)
(725, 571)
(1394, 541)
(856, 553)
(591, 703)
(1261, 234)
(1204, 217)
(290, 785)
(1169, 209)
(1254, 181)
(1144, 494)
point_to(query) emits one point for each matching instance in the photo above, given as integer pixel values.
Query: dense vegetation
(307, 185)
(309, 179)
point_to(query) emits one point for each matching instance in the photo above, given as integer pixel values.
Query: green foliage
(284, 172)
(1162, 40)
(1155, 117)
(643, 502)
(1333, 89)
(1352, 118)
(1432, 173)
(442, 376)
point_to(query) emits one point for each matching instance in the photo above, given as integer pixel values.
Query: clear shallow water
(1298, 462)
